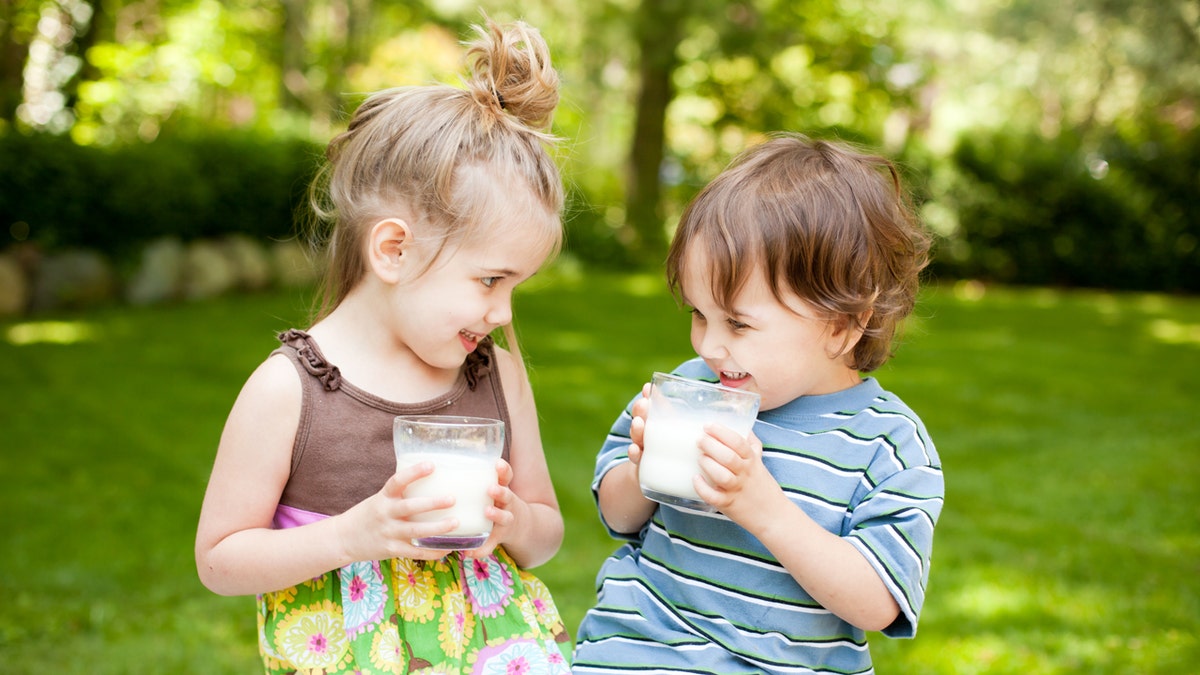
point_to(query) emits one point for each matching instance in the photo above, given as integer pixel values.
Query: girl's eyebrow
(498, 271)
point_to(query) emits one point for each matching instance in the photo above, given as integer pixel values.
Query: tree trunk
(659, 31)
(14, 49)
(294, 90)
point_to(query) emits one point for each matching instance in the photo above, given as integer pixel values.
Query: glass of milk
(463, 451)
(679, 409)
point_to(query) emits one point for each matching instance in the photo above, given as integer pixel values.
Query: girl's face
(467, 293)
(781, 351)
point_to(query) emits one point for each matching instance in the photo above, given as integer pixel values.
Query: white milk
(464, 477)
(671, 456)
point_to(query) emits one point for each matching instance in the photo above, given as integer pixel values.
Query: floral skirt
(419, 617)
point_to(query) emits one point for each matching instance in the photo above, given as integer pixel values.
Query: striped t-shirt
(697, 593)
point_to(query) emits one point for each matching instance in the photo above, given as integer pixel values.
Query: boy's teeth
(733, 376)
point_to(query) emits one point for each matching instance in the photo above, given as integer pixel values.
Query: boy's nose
(710, 346)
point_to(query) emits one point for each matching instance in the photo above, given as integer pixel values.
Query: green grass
(1066, 422)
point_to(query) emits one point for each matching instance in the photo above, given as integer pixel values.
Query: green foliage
(1068, 543)
(591, 236)
(112, 199)
(1114, 213)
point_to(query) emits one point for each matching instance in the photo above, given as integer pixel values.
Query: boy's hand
(637, 428)
(735, 480)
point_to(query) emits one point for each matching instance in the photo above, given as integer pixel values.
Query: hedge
(61, 195)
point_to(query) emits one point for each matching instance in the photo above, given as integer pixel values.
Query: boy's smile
(781, 351)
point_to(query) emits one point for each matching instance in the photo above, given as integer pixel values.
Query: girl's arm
(827, 566)
(237, 550)
(532, 530)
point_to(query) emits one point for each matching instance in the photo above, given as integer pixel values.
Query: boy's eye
(489, 281)
(696, 314)
(737, 325)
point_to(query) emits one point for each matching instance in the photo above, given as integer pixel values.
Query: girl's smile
(469, 340)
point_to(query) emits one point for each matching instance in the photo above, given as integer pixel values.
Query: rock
(249, 260)
(160, 274)
(14, 288)
(294, 265)
(207, 271)
(73, 279)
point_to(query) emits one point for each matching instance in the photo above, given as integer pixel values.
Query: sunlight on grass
(56, 332)
(1003, 595)
(1175, 333)
(970, 290)
(644, 285)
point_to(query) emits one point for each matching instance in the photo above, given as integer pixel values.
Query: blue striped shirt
(696, 593)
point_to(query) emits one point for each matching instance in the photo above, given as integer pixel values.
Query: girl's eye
(696, 314)
(489, 281)
(737, 325)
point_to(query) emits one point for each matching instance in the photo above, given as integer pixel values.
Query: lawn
(1066, 422)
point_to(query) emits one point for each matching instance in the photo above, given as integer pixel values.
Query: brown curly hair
(819, 219)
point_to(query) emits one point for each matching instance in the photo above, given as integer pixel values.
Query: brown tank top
(343, 451)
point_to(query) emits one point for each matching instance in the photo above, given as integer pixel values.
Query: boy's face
(780, 351)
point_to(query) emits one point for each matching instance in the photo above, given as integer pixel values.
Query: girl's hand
(380, 526)
(501, 513)
(735, 480)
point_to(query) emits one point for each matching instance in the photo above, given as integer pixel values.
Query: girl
(798, 262)
(443, 200)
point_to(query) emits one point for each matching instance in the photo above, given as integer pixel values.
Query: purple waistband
(289, 516)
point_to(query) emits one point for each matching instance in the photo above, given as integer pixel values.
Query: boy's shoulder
(696, 369)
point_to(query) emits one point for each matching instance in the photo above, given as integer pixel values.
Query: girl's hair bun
(511, 74)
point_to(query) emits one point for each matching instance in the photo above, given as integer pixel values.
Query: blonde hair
(413, 151)
(821, 220)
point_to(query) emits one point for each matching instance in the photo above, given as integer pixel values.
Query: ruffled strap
(478, 362)
(311, 358)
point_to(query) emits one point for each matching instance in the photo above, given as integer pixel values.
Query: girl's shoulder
(508, 367)
(273, 379)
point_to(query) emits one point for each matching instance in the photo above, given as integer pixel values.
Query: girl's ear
(388, 243)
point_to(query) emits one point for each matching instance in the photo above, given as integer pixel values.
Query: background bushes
(1120, 212)
(113, 200)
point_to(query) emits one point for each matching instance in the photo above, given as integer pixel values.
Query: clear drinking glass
(463, 451)
(679, 409)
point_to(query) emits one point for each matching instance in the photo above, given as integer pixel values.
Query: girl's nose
(500, 313)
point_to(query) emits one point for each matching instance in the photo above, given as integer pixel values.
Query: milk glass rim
(449, 421)
(701, 384)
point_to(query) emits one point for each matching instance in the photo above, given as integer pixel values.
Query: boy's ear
(849, 331)
(389, 241)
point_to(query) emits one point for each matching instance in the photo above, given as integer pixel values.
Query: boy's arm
(828, 567)
(623, 507)
(622, 504)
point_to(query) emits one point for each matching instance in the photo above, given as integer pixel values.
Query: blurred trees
(659, 94)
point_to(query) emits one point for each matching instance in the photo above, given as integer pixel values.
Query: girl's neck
(355, 338)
